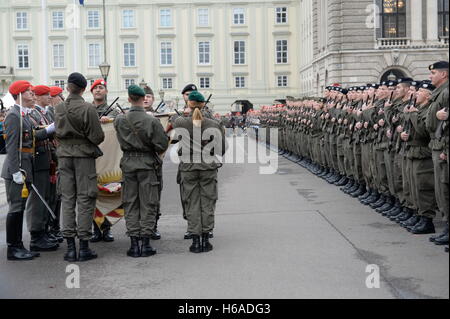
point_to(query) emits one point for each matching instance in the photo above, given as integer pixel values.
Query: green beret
(135, 90)
(196, 96)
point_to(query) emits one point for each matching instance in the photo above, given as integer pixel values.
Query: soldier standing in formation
(385, 144)
(199, 175)
(20, 134)
(78, 132)
(142, 139)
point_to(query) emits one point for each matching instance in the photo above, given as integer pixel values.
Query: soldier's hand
(443, 157)
(340, 121)
(404, 136)
(442, 115)
(381, 122)
(394, 119)
(351, 127)
(413, 109)
(333, 119)
(389, 133)
(399, 129)
(104, 119)
(375, 127)
(345, 122)
(387, 104)
(327, 116)
(18, 178)
(366, 124)
(381, 111)
(359, 125)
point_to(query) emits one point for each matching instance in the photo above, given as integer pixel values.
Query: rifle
(159, 105)
(390, 99)
(117, 104)
(207, 101)
(106, 112)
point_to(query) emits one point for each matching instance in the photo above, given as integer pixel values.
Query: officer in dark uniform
(17, 169)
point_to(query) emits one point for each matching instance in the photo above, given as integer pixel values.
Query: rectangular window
(167, 83)
(61, 84)
(205, 83)
(23, 61)
(58, 55)
(129, 82)
(443, 18)
(203, 17)
(129, 54)
(282, 81)
(166, 53)
(58, 20)
(128, 19)
(93, 19)
(282, 51)
(94, 55)
(22, 21)
(393, 17)
(165, 17)
(204, 53)
(240, 82)
(281, 15)
(238, 16)
(239, 52)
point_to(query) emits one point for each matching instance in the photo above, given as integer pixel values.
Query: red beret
(98, 82)
(19, 87)
(41, 89)
(55, 90)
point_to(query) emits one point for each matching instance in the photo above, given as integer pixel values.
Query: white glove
(50, 129)
(18, 178)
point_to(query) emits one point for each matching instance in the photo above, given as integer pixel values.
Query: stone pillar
(416, 21)
(432, 21)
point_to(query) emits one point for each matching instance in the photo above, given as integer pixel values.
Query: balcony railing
(443, 40)
(393, 42)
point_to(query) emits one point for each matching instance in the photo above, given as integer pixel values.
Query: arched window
(392, 74)
(393, 17)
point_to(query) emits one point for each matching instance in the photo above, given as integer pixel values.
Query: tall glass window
(443, 18)
(393, 18)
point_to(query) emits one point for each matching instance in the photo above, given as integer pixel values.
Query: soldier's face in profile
(186, 96)
(43, 100)
(149, 100)
(99, 92)
(56, 100)
(423, 95)
(28, 98)
(438, 76)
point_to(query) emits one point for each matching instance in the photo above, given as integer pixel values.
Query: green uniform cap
(135, 90)
(196, 96)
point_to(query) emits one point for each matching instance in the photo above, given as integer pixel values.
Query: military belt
(74, 141)
(27, 150)
(136, 154)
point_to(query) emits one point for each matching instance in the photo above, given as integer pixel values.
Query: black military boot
(15, 251)
(97, 235)
(71, 254)
(445, 232)
(343, 181)
(372, 199)
(107, 235)
(85, 253)
(425, 226)
(380, 202)
(206, 245)
(39, 242)
(146, 249)
(366, 194)
(196, 246)
(19, 236)
(411, 222)
(361, 190)
(404, 216)
(353, 189)
(446, 249)
(386, 207)
(443, 238)
(188, 235)
(347, 186)
(134, 250)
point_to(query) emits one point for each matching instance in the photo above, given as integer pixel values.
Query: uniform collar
(41, 109)
(137, 108)
(23, 110)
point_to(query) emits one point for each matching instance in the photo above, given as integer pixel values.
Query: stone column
(432, 21)
(416, 21)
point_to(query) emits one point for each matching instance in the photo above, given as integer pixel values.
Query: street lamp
(177, 99)
(104, 70)
(161, 94)
(143, 84)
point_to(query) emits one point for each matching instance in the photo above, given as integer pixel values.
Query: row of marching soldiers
(383, 143)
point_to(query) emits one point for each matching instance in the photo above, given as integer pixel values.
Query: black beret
(321, 100)
(405, 80)
(392, 83)
(78, 79)
(439, 65)
(416, 84)
(189, 87)
(344, 91)
(428, 86)
(373, 85)
(362, 88)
